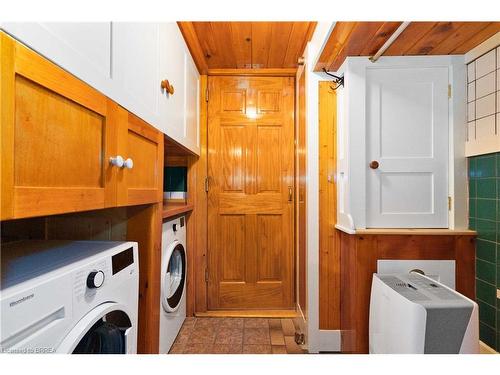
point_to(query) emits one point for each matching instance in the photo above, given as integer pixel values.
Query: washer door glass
(174, 279)
(106, 336)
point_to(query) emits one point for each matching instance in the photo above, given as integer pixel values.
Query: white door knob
(116, 161)
(129, 164)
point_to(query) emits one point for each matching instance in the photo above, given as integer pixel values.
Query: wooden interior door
(250, 199)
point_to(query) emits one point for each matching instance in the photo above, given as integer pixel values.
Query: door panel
(407, 124)
(250, 209)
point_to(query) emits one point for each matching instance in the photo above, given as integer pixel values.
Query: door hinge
(449, 91)
(449, 203)
(206, 275)
(207, 94)
(206, 184)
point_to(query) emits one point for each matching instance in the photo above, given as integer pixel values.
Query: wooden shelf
(171, 209)
(419, 231)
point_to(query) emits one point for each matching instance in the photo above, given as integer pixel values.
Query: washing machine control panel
(95, 279)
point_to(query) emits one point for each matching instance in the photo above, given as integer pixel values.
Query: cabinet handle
(129, 164)
(374, 164)
(165, 85)
(290, 194)
(117, 161)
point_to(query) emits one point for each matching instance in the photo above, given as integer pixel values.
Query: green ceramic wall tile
(486, 209)
(472, 188)
(486, 250)
(487, 314)
(498, 283)
(487, 335)
(486, 188)
(486, 230)
(486, 271)
(498, 162)
(472, 223)
(472, 207)
(486, 166)
(485, 292)
(472, 167)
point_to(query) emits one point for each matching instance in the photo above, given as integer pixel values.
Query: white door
(82, 48)
(407, 136)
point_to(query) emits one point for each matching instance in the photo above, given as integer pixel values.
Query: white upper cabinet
(83, 49)
(127, 62)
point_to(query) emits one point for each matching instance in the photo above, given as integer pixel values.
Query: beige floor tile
(279, 349)
(256, 336)
(256, 323)
(288, 327)
(226, 349)
(257, 349)
(204, 335)
(227, 335)
(196, 348)
(276, 336)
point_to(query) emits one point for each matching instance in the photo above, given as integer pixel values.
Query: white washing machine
(69, 297)
(173, 281)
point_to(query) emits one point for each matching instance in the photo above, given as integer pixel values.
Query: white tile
(471, 92)
(498, 79)
(471, 111)
(485, 106)
(471, 131)
(498, 101)
(485, 127)
(498, 57)
(486, 85)
(471, 71)
(486, 64)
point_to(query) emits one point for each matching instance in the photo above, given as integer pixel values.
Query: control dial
(95, 279)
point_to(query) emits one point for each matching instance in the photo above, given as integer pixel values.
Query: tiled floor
(236, 336)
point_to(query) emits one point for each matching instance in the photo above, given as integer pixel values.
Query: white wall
(317, 340)
(352, 130)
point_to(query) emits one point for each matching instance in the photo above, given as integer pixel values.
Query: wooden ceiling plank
(433, 38)
(381, 36)
(478, 38)
(261, 43)
(459, 37)
(207, 42)
(280, 41)
(334, 44)
(241, 35)
(361, 34)
(223, 41)
(409, 37)
(189, 33)
(296, 44)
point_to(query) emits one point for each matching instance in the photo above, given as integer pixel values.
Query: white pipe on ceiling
(389, 41)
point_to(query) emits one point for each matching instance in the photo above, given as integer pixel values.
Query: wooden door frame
(199, 263)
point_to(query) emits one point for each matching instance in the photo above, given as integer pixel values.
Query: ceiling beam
(189, 34)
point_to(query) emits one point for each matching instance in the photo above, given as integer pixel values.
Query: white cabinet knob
(117, 161)
(129, 164)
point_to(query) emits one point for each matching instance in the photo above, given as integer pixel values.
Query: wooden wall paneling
(359, 255)
(7, 81)
(199, 259)
(413, 33)
(145, 227)
(380, 37)
(297, 43)
(189, 33)
(329, 251)
(280, 36)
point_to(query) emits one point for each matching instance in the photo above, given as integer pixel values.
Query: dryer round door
(173, 276)
(104, 330)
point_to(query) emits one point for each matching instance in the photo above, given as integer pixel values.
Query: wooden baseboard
(248, 314)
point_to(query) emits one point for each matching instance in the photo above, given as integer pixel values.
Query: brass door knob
(165, 85)
(374, 164)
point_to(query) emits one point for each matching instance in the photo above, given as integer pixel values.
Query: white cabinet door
(136, 62)
(407, 134)
(179, 112)
(82, 48)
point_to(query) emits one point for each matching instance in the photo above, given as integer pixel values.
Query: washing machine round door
(173, 276)
(104, 330)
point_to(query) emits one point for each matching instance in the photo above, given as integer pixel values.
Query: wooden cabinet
(58, 135)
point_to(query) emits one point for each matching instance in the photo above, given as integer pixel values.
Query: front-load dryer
(173, 281)
(69, 297)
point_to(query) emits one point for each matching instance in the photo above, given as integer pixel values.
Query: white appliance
(69, 297)
(412, 313)
(173, 281)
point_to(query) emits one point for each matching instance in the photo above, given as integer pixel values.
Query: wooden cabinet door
(143, 144)
(55, 138)
(250, 199)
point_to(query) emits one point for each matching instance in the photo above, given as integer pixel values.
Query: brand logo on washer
(24, 299)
